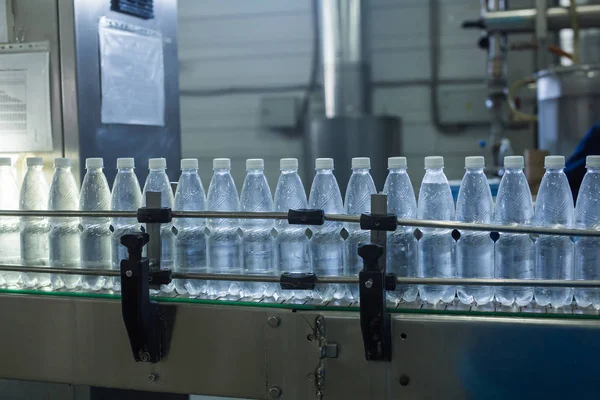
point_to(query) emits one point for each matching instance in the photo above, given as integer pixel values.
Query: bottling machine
(284, 348)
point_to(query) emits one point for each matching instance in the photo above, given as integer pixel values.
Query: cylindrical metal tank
(342, 138)
(568, 104)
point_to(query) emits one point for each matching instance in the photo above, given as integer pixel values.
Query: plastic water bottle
(9, 226)
(514, 253)
(34, 230)
(64, 232)
(190, 241)
(95, 235)
(258, 244)
(475, 250)
(554, 254)
(326, 244)
(401, 244)
(224, 242)
(126, 196)
(357, 201)
(158, 181)
(587, 249)
(436, 246)
(292, 244)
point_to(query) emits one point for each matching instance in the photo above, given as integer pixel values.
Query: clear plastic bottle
(292, 244)
(436, 245)
(34, 230)
(475, 250)
(158, 181)
(126, 196)
(514, 252)
(258, 244)
(357, 201)
(326, 244)
(401, 244)
(224, 242)
(587, 249)
(554, 254)
(95, 238)
(190, 241)
(9, 226)
(64, 232)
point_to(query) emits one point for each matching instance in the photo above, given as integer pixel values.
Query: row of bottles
(189, 246)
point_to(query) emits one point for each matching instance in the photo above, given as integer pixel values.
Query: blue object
(575, 166)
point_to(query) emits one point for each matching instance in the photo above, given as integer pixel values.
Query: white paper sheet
(132, 74)
(25, 121)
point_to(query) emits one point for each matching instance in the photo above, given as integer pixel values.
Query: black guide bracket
(306, 217)
(297, 281)
(375, 320)
(147, 323)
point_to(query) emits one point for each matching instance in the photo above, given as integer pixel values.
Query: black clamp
(375, 320)
(306, 217)
(145, 321)
(162, 215)
(298, 281)
(378, 222)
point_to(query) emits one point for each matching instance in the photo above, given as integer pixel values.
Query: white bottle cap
(5, 162)
(94, 163)
(554, 162)
(288, 163)
(221, 163)
(157, 163)
(474, 162)
(189, 163)
(592, 161)
(62, 162)
(434, 162)
(255, 163)
(324, 163)
(361, 163)
(397, 162)
(125, 163)
(31, 161)
(514, 162)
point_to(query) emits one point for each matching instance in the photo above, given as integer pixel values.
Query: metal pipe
(465, 226)
(520, 21)
(323, 280)
(345, 57)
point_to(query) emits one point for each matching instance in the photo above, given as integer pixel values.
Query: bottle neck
(554, 170)
(221, 171)
(289, 171)
(593, 170)
(125, 170)
(324, 171)
(255, 171)
(475, 170)
(434, 170)
(189, 171)
(157, 170)
(513, 170)
(360, 170)
(94, 170)
(36, 168)
(397, 170)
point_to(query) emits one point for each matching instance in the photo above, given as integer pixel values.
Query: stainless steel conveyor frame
(300, 349)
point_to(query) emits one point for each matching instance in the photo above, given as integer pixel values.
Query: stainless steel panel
(342, 138)
(110, 141)
(568, 105)
(250, 352)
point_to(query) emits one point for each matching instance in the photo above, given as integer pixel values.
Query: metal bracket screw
(274, 392)
(404, 380)
(145, 356)
(153, 377)
(369, 284)
(273, 321)
(128, 274)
